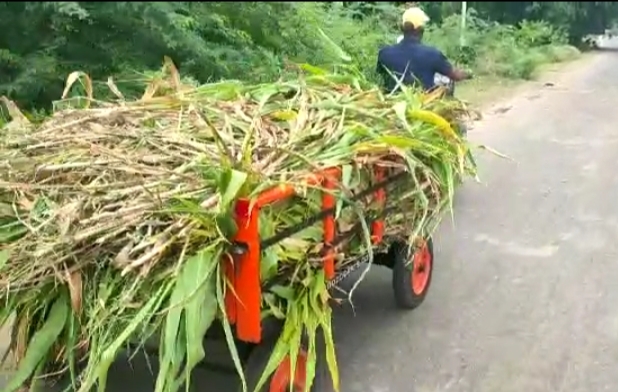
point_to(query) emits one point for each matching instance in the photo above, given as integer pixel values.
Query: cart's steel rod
(283, 234)
(338, 240)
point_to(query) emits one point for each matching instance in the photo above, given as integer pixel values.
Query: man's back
(417, 63)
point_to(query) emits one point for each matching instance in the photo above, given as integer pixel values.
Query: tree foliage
(44, 41)
(577, 18)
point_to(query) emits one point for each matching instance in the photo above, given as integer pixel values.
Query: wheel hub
(421, 268)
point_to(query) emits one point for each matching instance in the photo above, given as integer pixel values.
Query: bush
(502, 50)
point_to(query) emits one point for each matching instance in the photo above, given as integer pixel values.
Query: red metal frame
(243, 296)
(377, 227)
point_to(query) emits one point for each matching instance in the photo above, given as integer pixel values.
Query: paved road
(525, 292)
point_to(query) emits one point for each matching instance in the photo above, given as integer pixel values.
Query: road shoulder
(494, 94)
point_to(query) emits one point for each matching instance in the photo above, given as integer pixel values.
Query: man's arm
(444, 67)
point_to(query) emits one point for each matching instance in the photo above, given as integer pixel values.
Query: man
(410, 62)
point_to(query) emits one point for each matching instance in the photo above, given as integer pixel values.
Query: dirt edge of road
(551, 78)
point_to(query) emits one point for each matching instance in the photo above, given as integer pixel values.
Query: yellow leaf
(87, 83)
(284, 115)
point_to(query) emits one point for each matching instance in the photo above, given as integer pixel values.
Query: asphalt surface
(526, 282)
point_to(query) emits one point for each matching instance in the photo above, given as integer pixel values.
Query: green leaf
(4, 258)
(109, 355)
(312, 69)
(227, 328)
(343, 55)
(233, 181)
(41, 343)
(201, 308)
(226, 224)
(285, 292)
(170, 359)
(346, 178)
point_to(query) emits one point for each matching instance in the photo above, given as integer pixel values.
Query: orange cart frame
(242, 267)
(243, 299)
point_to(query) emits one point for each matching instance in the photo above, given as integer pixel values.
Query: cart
(411, 265)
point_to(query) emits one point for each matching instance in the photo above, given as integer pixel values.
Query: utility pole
(462, 31)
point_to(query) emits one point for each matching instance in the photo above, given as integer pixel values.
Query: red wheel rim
(280, 381)
(421, 269)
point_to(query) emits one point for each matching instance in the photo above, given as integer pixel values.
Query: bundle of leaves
(114, 218)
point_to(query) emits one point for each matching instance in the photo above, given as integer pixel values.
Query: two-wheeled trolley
(411, 265)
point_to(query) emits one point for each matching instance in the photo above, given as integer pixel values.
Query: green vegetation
(493, 49)
(114, 219)
(42, 42)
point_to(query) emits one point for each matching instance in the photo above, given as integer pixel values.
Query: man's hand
(458, 75)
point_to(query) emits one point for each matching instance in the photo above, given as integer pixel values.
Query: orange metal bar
(247, 284)
(282, 192)
(243, 300)
(328, 201)
(377, 227)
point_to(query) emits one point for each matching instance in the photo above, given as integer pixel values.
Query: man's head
(413, 22)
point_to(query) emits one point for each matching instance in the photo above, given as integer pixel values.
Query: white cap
(415, 16)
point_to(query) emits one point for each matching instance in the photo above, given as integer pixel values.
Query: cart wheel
(411, 278)
(279, 381)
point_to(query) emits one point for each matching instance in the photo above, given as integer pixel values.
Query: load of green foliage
(115, 217)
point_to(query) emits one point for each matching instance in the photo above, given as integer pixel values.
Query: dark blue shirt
(418, 63)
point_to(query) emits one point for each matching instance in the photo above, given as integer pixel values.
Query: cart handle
(290, 231)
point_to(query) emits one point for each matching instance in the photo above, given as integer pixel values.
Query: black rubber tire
(255, 365)
(405, 297)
